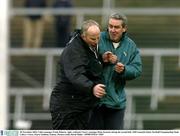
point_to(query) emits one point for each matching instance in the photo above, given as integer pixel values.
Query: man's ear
(125, 29)
(83, 36)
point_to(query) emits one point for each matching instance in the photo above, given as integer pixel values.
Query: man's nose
(97, 40)
(113, 29)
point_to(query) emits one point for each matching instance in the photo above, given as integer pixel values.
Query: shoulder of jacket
(103, 34)
(130, 42)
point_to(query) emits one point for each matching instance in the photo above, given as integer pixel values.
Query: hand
(106, 56)
(99, 90)
(113, 59)
(110, 57)
(119, 67)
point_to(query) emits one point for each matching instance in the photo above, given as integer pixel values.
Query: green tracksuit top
(129, 55)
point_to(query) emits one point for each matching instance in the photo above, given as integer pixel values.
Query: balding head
(90, 32)
(86, 24)
(93, 30)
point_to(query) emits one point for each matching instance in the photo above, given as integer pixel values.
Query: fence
(80, 13)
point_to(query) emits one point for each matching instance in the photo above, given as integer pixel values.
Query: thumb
(102, 85)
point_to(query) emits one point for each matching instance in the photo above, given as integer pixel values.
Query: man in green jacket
(122, 62)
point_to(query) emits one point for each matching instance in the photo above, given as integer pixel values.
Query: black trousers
(70, 121)
(104, 118)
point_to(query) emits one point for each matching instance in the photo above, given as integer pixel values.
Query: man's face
(115, 29)
(92, 36)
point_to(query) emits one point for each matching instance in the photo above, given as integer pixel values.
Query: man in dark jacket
(80, 85)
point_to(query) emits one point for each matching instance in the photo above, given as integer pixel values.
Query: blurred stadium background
(153, 99)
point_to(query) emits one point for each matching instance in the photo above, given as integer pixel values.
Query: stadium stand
(153, 99)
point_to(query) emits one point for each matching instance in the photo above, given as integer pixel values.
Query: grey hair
(88, 23)
(119, 16)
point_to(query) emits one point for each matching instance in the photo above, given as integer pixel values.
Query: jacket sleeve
(133, 68)
(75, 62)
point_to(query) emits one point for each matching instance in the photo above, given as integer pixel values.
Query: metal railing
(80, 13)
